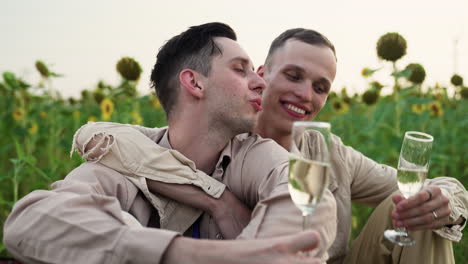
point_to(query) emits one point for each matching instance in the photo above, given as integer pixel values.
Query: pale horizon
(84, 40)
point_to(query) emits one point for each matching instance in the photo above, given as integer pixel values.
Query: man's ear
(190, 81)
(261, 70)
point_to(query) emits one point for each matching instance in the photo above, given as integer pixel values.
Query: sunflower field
(38, 123)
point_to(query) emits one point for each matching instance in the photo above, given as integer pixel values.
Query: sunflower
(418, 108)
(391, 47)
(18, 114)
(107, 108)
(436, 108)
(137, 119)
(43, 114)
(340, 107)
(129, 68)
(370, 97)
(33, 129)
(92, 119)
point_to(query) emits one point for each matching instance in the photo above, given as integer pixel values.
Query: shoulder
(258, 148)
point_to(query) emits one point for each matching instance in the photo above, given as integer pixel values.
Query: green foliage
(37, 129)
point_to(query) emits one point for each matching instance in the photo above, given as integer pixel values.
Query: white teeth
(295, 109)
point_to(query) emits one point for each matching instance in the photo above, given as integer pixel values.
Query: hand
(428, 209)
(277, 250)
(231, 215)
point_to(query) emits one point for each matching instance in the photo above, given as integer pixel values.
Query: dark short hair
(308, 36)
(192, 49)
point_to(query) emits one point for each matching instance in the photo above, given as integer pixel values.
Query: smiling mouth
(295, 110)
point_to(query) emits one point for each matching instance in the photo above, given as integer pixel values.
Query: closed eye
(321, 88)
(292, 77)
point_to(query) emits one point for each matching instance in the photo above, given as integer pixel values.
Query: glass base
(400, 238)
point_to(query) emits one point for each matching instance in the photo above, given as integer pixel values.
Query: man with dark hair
(299, 71)
(97, 214)
(191, 50)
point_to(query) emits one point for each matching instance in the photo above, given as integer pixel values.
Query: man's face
(234, 89)
(299, 78)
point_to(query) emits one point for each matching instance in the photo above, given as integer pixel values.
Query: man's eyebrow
(244, 61)
(294, 67)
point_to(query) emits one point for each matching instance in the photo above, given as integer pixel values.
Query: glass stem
(403, 230)
(305, 220)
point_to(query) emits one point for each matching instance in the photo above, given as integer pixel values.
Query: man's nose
(257, 83)
(304, 92)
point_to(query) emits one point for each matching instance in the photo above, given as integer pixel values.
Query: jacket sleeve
(80, 221)
(371, 182)
(132, 151)
(458, 203)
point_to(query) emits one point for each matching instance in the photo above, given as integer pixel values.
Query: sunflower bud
(129, 68)
(98, 96)
(84, 94)
(391, 47)
(418, 74)
(71, 101)
(456, 80)
(464, 92)
(42, 68)
(370, 97)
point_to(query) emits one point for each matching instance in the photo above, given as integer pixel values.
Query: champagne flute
(309, 165)
(413, 165)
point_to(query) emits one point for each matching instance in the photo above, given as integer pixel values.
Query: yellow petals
(43, 114)
(107, 108)
(340, 107)
(18, 114)
(33, 129)
(436, 108)
(418, 108)
(155, 102)
(137, 119)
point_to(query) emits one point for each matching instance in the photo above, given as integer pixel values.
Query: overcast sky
(84, 39)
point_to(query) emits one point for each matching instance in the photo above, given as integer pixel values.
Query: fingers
(416, 213)
(397, 198)
(439, 203)
(419, 198)
(427, 221)
(304, 241)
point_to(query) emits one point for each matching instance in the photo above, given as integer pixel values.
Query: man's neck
(198, 143)
(283, 138)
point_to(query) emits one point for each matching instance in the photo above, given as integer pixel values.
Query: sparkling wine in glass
(309, 165)
(413, 165)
